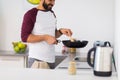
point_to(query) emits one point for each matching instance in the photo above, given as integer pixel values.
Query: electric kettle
(102, 59)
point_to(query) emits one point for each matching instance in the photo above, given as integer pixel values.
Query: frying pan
(75, 44)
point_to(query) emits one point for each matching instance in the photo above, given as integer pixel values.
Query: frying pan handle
(59, 41)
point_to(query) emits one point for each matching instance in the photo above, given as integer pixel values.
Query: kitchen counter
(12, 53)
(14, 60)
(81, 62)
(46, 74)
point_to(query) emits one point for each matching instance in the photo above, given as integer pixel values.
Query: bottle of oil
(72, 68)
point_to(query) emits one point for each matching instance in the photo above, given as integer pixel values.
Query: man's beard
(46, 6)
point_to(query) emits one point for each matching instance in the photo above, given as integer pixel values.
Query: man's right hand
(50, 39)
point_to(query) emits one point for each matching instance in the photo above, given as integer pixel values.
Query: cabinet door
(12, 62)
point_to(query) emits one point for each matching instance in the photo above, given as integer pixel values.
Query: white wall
(117, 35)
(11, 13)
(89, 20)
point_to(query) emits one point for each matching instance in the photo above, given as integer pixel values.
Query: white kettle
(102, 59)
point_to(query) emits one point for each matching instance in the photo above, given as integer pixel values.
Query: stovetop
(80, 63)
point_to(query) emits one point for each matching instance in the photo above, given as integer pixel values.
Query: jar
(72, 68)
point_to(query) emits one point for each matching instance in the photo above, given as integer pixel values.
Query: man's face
(48, 4)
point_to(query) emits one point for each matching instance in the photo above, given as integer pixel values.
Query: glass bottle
(72, 68)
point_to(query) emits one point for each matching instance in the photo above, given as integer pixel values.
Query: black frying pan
(75, 44)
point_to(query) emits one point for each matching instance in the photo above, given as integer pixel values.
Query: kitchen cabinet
(9, 59)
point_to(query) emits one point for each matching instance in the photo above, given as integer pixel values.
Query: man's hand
(50, 39)
(66, 31)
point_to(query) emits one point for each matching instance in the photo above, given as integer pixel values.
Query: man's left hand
(66, 31)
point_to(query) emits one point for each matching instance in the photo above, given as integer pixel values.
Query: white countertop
(46, 74)
(12, 53)
(80, 64)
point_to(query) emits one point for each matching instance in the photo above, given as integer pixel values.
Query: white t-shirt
(45, 24)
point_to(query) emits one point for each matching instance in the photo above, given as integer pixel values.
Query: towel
(40, 65)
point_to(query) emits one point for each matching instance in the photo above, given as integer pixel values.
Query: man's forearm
(35, 38)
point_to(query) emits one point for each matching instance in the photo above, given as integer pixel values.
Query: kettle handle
(89, 56)
(107, 42)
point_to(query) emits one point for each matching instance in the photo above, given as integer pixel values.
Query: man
(40, 31)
